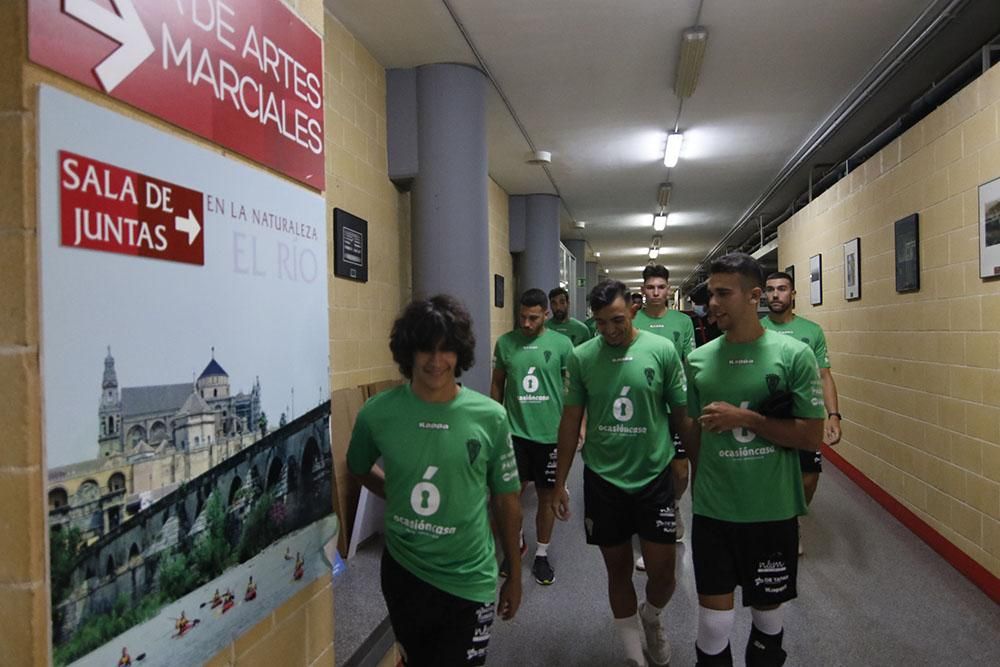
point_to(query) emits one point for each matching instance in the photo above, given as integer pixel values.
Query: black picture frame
(907, 251)
(852, 269)
(350, 246)
(816, 280)
(790, 270)
(498, 282)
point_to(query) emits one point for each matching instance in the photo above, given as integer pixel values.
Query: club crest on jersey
(772, 382)
(548, 355)
(472, 446)
(650, 374)
(677, 337)
(806, 341)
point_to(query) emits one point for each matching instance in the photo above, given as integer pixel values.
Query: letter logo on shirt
(425, 499)
(530, 381)
(623, 408)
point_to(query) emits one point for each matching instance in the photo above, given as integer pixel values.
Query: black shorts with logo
(612, 515)
(810, 461)
(434, 628)
(761, 558)
(679, 448)
(536, 462)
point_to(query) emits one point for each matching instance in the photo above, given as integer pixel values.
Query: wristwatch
(833, 414)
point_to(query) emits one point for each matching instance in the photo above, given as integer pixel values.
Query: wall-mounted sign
(350, 238)
(816, 280)
(498, 290)
(907, 254)
(989, 229)
(186, 403)
(104, 207)
(247, 74)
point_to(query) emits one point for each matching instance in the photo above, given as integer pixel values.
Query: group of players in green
(638, 395)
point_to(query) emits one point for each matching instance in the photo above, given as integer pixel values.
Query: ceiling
(592, 82)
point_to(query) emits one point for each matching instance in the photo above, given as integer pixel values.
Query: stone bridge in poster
(294, 463)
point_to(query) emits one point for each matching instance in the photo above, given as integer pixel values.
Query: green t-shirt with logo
(534, 388)
(628, 393)
(576, 330)
(440, 459)
(673, 325)
(804, 330)
(741, 476)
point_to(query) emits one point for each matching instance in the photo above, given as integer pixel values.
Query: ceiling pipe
(923, 28)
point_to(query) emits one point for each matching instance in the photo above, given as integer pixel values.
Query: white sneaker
(633, 663)
(640, 564)
(657, 646)
(680, 525)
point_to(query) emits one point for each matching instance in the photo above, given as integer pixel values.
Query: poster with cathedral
(185, 370)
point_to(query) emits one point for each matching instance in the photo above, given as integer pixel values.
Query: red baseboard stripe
(957, 558)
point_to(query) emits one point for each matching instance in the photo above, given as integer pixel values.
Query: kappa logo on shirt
(433, 426)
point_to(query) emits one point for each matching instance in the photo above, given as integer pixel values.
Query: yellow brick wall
(501, 262)
(917, 373)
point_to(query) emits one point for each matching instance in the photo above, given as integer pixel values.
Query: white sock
(520, 541)
(769, 622)
(631, 634)
(649, 611)
(714, 628)
(542, 549)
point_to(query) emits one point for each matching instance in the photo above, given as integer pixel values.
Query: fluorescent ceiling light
(673, 152)
(659, 222)
(663, 195)
(693, 43)
(597, 254)
(654, 253)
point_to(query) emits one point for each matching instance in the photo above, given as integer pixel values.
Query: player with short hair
(757, 398)
(561, 321)
(779, 290)
(445, 450)
(629, 383)
(529, 366)
(676, 327)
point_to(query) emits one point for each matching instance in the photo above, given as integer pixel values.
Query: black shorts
(681, 453)
(536, 462)
(434, 628)
(761, 558)
(810, 461)
(612, 515)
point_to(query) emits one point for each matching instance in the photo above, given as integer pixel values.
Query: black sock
(764, 650)
(724, 659)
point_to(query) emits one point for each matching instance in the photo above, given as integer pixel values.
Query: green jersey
(576, 330)
(439, 459)
(804, 330)
(673, 325)
(741, 476)
(628, 393)
(534, 387)
(591, 325)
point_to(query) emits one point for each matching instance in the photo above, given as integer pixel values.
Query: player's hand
(719, 417)
(831, 431)
(560, 503)
(510, 598)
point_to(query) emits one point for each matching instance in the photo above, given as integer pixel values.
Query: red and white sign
(104, 207)
(247, 74)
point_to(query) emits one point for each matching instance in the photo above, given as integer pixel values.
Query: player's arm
(507, 511)
(831, 432)
(374, 481)
(362, 453)
(794, 433)
(497, 383)
(569, 435)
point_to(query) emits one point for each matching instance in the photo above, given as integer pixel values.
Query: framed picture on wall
(816, 280)
(350, 246)
(790, 270)
(498, 290)
(852, 269)
(907, 255)
(989, 229)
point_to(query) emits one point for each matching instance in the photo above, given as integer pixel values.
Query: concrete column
(450, 237)
(538, 264)
(578, 292)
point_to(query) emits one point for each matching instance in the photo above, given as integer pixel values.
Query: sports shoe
(680, 525)
(640, 564)
(544, 574)
(657, 646)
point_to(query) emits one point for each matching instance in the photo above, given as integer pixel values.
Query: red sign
(104, 207)
(247, 74)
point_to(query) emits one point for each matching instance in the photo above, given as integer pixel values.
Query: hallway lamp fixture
(659, 222)
(663, 195)
(654, 253)
(693, 43)
(673, 151)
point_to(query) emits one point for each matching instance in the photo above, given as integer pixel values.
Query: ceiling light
(654, 253)
(607, 271)
(580, 224)
(659, 222)
(539, 157)
(663, 195)
(693, 43)
(673, 152)
(597, 254)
